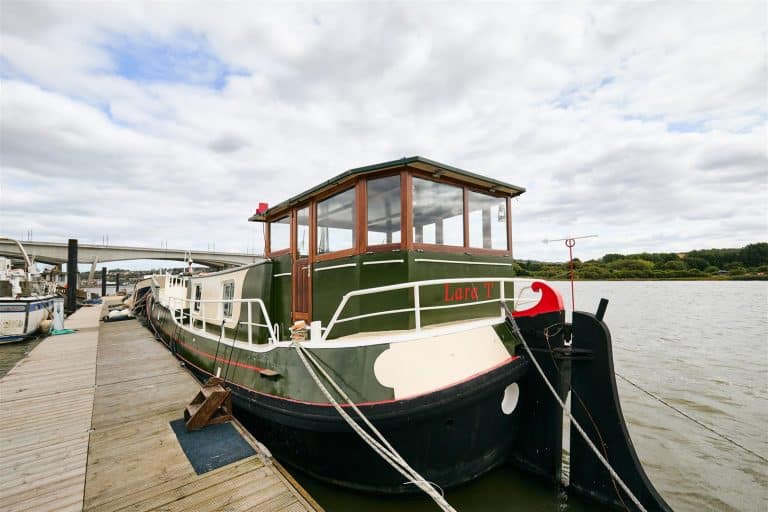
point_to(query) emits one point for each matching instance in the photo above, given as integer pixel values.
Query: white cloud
(644, 123)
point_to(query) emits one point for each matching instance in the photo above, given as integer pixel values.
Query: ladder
(211, 405)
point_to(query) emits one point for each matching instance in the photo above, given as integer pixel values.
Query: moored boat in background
(26, 300)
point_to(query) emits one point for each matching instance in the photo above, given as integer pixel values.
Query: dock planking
(86, 426)
(46, 402)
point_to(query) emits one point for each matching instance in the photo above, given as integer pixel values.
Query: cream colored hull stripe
(382, 262)
(464, 262)
(282, 275)
(335, 266)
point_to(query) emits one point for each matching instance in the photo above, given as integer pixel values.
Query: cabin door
(302, 287)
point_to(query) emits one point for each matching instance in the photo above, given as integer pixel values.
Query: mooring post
(72, 275)
(103, 281)
(117, 283)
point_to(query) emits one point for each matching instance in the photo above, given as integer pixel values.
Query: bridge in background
(54, 253)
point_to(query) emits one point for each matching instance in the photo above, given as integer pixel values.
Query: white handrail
(201, 315)
(417, 308)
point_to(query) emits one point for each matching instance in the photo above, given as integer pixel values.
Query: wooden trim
(465, 214)
(460, 249)
(509, 225)
(383, 247)
(294, 256)
(345, 253)
(406, 209)
(456, 183)
(281, 252)
(268, 238)
(313, 222)
(311, 257)
(361, 214)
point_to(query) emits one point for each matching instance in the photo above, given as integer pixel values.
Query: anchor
(585, 369)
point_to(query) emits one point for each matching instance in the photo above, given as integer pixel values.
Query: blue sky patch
(686, 127)
(186, 58)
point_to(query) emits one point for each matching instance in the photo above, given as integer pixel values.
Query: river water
(701, 346)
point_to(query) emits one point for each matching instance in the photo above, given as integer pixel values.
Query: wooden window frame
(360, 243)
(364, 247)
(268, 236)
(456, 249)
(342, 187)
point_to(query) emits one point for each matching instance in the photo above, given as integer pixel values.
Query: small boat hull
(20, 318)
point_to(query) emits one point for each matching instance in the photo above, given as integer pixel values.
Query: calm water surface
(701, 346)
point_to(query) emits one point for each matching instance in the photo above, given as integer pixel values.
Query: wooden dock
(84, 425)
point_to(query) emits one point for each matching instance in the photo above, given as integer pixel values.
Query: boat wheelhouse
(401, 272)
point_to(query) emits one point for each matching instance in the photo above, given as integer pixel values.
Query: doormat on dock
(211, 447)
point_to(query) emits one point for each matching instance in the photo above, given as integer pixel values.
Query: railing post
(417, 307)
(250, 321)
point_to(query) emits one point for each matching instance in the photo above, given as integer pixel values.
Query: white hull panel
(21, 318)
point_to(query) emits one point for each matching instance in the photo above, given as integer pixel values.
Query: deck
(85, 426)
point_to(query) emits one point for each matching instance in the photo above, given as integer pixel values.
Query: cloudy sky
(644, 123)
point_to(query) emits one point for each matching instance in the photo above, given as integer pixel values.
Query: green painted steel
(329, 286)
(353, 365)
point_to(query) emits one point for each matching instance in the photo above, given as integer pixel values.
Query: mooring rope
(691, 418)
(571, 420)
(383, 448)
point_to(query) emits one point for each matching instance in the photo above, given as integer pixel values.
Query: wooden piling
(72, 272)
(103, 281)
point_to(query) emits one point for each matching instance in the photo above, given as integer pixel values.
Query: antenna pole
(570, 242)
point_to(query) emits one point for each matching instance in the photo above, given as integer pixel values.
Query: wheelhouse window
(383, 196)
(302, 232)
(198, 296)
(227, 294)
(487, 221)
(438, 213)
(280, 234)
(336, 222)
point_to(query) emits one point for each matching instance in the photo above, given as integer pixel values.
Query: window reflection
(336, 222)
(487, 221)
(438, 213)
(279, 234)
(384, 210)
(302, 232)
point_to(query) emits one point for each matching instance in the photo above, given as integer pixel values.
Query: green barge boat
(394, 279)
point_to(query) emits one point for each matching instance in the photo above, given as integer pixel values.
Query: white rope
(383, 448)
(567, 414)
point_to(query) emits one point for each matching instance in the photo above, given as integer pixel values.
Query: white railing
(197, 314)
(175, 281)
(417, 307)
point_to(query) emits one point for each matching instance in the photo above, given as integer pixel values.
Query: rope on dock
(382, 448)
(567, 414)
(691, 418)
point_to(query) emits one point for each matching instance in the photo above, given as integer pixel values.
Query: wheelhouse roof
(416, 162)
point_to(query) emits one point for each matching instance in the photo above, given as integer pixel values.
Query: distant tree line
(748, 262)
